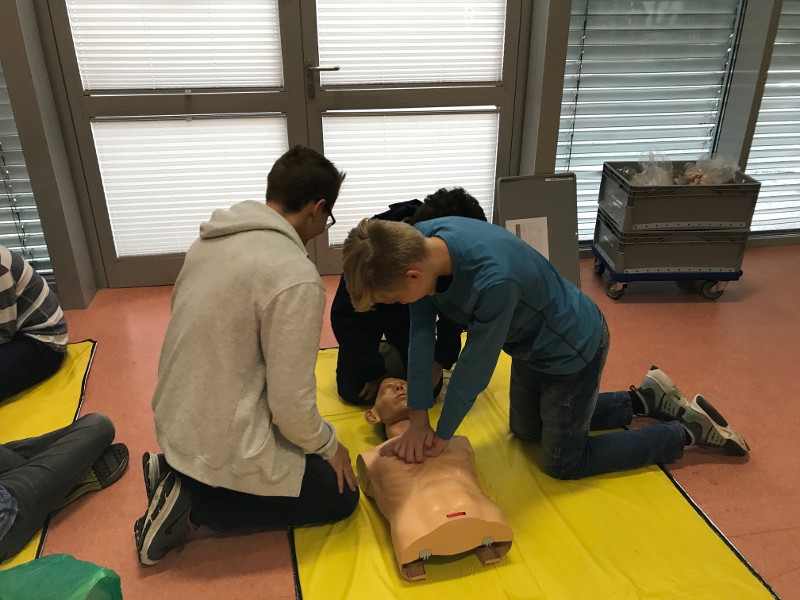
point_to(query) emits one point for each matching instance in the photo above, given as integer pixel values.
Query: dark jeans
(39, 472)
(390, 321)
(24, 362)
(222, 509)
(560, 410)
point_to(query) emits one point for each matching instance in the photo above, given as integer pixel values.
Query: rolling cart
(712, 288)
(674, 232)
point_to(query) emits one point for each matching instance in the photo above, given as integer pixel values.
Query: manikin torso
(435, 507)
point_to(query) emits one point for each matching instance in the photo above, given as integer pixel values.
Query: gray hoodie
(235, 404)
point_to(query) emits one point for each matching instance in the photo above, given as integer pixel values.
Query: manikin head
(391, 405)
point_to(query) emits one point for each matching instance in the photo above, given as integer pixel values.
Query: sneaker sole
(155, 518)
(152, 473)
(118, 453)
(150, 478)
(734, 442)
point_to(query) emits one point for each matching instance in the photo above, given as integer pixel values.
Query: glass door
(409, 97)
(180, 107)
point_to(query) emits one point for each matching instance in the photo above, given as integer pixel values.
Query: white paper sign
(532, 231)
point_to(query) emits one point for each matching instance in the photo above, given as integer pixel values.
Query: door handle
(311, 83)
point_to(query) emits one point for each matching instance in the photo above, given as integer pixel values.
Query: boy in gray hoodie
(235, 403)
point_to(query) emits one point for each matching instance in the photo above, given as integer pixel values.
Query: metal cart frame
(713, 287)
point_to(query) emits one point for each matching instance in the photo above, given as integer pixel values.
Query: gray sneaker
(709, 429)
(661, 398)
(165, 525)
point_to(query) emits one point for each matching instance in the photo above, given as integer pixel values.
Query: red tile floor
(740, 351)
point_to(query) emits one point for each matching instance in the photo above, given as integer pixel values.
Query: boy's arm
(290, 329)
(421, 341)
(8, 298)
(485, 338)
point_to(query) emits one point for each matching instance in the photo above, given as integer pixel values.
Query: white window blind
(162, 178)
(640, 77)
(182, 44)
(775, 153)
(413, 41)
(395, 157)
(20, 229)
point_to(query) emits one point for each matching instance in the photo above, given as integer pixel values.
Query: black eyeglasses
(331, 221)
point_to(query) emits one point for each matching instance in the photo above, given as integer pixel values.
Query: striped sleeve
(27, 304)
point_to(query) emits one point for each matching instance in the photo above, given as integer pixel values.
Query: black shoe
(165, 525)
(107, 469)
(155, 468)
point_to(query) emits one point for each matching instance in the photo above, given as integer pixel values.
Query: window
(173, 44)
(20, 229)
(180, 107)
(641, 77)
(775, 152)
(162, 178)
(393, 157)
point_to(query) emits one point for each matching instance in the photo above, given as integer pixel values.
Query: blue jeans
(560, 410)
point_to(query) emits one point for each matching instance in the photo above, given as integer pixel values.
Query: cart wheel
(599, 267)
(615, 289)
(709, 292)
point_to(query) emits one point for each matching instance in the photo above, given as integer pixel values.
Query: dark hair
(448, 203)
(303, 175)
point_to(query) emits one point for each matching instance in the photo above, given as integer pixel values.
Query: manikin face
(391, 404)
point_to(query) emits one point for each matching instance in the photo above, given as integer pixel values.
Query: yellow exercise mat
(50, 405)
(627, 535)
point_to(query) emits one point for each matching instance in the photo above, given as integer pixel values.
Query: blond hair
(376, 256)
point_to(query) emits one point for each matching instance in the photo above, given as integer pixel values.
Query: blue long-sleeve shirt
(507, 296)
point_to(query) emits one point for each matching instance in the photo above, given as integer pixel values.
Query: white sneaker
(709, 429)
(660, 396)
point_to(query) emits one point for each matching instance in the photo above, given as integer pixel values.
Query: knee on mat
(562, 469)
(353, 398)
(348, 390)
(345, 504)
(526, 435)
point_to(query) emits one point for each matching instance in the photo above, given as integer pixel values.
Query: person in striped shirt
(33, 330)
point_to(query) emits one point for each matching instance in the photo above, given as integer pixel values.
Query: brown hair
(376, 256)
(303, 175)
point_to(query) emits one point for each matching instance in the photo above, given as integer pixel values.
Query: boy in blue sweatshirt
(509, 297)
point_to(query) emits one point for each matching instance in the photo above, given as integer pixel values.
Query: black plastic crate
(675, 251)
(710, 206)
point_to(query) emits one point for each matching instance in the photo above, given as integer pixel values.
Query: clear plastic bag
(708, 171)
(655, 170)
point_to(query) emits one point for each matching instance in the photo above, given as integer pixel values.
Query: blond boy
(509, 297)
